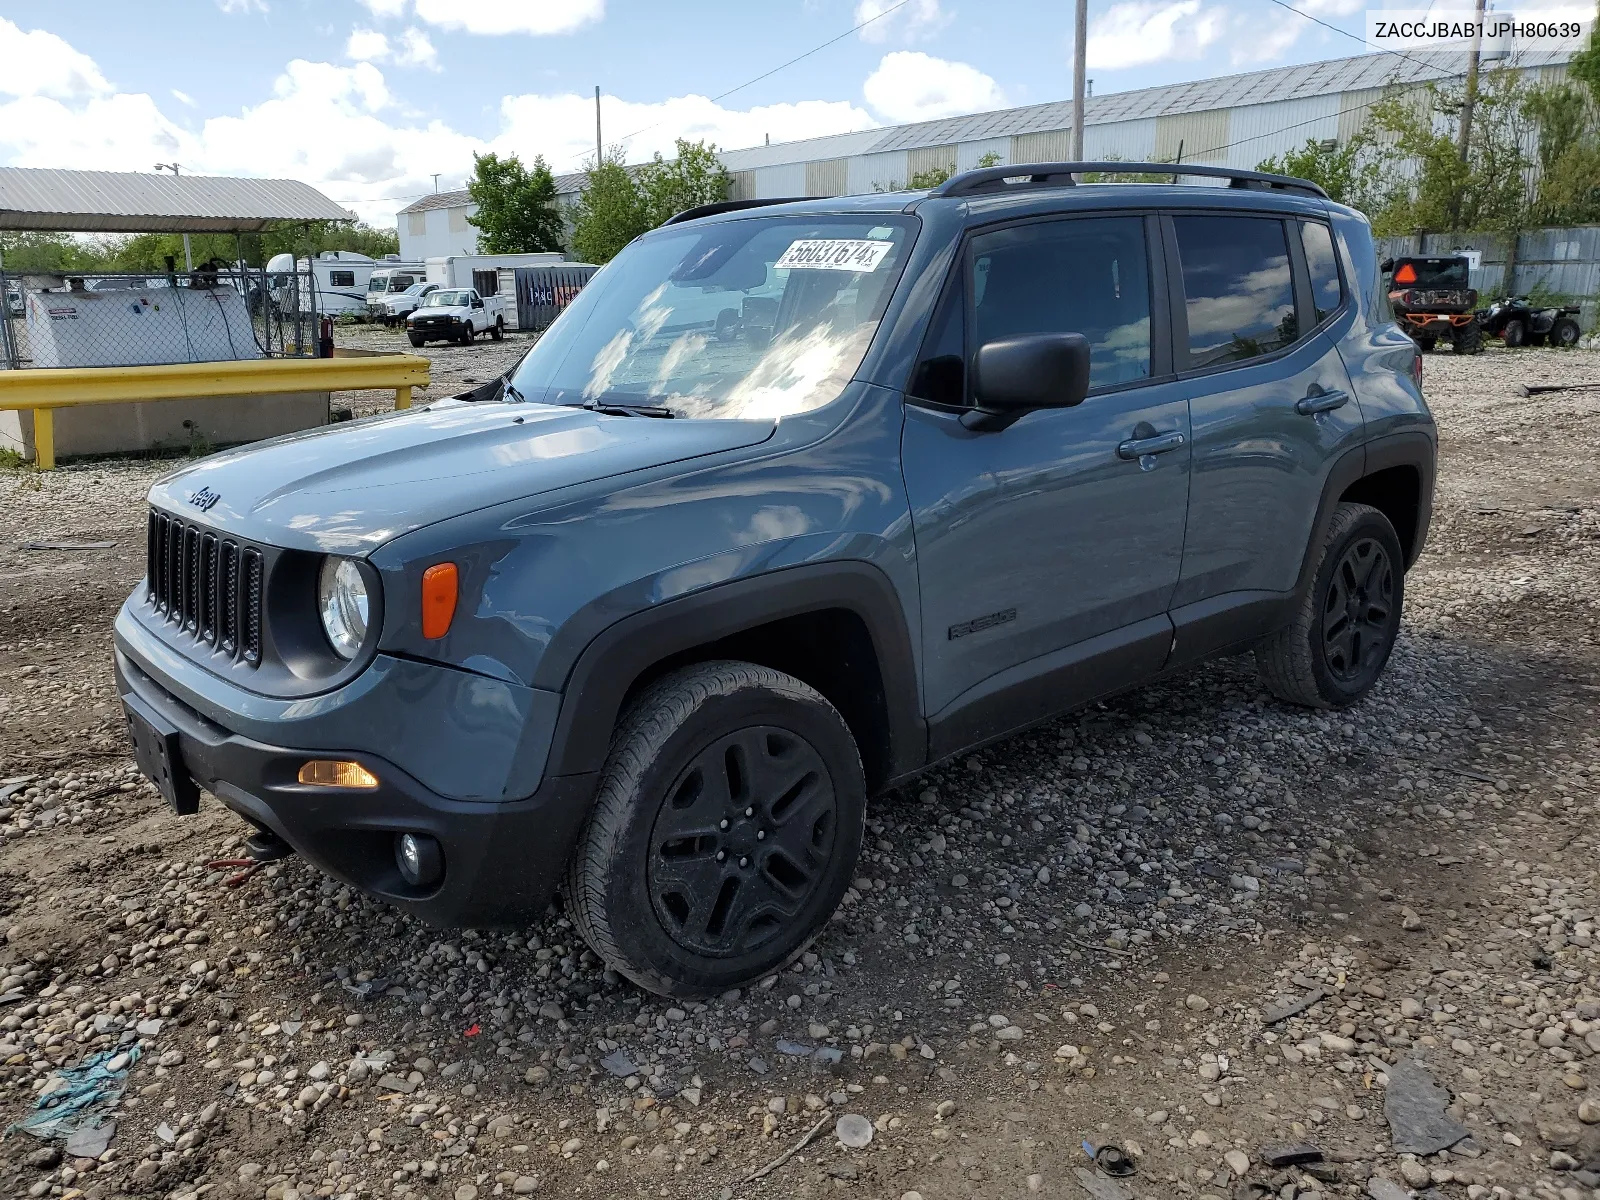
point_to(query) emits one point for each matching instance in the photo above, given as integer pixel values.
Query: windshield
(447, 300)
(761, 317)
(415, 289)
(1431, 272)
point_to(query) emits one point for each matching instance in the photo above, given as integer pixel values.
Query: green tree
(610, 212)
(516, 205)
(1567, 121)
(694, 177)
(1354, 173)
(47, 253)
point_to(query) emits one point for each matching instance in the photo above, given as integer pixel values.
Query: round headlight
(342, 604)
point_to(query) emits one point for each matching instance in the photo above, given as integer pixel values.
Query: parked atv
(1431, 300)
(1517, 323)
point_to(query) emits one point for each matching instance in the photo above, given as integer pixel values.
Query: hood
(351, 487)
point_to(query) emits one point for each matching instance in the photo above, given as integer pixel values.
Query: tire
(1516, 333)
(498, 333)
(468, 335)
(645, 884)
(416, 341)
(1315, 661)
(1425, 341)
(1565, 333)
(1468, 339)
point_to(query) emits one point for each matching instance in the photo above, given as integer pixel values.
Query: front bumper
(502, 861)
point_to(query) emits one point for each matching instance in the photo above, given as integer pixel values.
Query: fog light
(419, 858)
(322, 772)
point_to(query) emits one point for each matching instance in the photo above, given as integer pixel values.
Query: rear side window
(1238, 288)
(1089, 276)
(1326, 293)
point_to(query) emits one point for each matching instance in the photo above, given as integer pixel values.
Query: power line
(780, 67)
(1351, 36)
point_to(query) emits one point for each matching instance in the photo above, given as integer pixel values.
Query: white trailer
(485, 271)
(339, 278)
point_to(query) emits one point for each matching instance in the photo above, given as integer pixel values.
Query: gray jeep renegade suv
(795, 500)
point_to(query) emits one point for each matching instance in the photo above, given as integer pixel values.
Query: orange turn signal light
(323, 772)
(440, 583)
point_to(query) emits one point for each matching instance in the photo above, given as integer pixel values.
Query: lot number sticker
(834, 254)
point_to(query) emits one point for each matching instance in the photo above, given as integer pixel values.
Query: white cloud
(911, 86)
(242, 6)
(511, 16)
(416, 50)
(1135, 32)
(561, 127)
(385, 8)
(366, 45)
(1257, 42)
(41, 64)
(182, 97)
(916, 19)
(1331, 8)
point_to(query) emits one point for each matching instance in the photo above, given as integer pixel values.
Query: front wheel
(498, 333)
(1338, 642)
(1516, 334)
(728, 820)
(468, 334)
(416, 341)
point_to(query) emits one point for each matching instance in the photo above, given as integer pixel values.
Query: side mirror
(1014, 376)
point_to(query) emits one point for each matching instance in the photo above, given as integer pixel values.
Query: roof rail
(990, 180)
(722, 206)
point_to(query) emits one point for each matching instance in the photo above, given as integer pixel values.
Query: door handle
(1321, 402)
(1159, 444)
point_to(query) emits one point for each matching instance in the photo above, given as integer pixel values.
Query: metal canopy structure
(54, 201)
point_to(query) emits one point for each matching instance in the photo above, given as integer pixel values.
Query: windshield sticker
(834, 254)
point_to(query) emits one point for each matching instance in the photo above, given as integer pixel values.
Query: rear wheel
(498, 333)
(1338, 643)
(728, 821)
(1468, 339)
(1516, 333)
(1425, 341)
(1564, 333)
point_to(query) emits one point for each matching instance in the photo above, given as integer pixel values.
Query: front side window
(1323, 268)
(1238, 288)
(757, 317)
(1087, 276)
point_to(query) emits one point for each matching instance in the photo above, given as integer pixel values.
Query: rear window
(1323, 268)
(1431, 272)
(1238, 288)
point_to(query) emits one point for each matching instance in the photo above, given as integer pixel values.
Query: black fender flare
(599, 669)
(1410, 448)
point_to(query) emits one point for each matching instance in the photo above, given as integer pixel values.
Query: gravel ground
(454, 368)
(1094, 931)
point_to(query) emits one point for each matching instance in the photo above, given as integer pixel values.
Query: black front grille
(207, 586)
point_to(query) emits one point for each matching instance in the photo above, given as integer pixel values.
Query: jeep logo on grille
(204, 499)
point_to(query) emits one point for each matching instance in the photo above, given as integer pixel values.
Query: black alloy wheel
(1356, 611)
(741, 841)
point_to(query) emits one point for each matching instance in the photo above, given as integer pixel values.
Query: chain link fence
(217, 312)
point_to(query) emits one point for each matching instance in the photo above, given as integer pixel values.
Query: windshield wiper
(511, 390)
(612, 409)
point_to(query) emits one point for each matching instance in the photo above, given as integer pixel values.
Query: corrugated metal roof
(1228, 91)
(128, 202)
(454, 199)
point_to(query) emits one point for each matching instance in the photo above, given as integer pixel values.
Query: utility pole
(188, 255)
(599, 147)
(436, 175)
(1080, 60)
(1464, 134)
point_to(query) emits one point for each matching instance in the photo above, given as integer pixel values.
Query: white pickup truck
(456, 315)
(392, 308)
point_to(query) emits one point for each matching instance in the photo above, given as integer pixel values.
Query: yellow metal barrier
(45, 389)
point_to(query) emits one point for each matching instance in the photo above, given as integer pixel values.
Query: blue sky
(366, 99)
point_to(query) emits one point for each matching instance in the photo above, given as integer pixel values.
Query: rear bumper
(502, 861)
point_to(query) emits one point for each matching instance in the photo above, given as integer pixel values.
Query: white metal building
(1234, 120)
